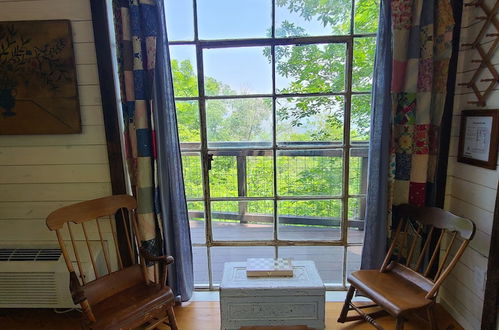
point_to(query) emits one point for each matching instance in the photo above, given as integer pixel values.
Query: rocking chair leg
(346, 305)
(400, 323)
(171, 317)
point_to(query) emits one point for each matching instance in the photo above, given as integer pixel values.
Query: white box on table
(247, 301)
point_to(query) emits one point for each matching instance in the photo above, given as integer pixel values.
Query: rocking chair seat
(392, 292)
(133, 305)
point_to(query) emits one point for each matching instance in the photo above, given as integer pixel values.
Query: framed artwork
(38, 89)
(479, 138)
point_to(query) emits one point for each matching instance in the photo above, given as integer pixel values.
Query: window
(273, 108)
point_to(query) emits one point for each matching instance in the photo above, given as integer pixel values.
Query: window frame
(204, 150)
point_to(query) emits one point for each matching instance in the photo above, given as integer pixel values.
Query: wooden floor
(196, 315)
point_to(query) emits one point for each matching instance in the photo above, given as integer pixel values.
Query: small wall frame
(479, 138)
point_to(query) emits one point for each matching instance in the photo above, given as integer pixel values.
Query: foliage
(300, 69)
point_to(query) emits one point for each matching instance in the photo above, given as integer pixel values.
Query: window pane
(229, 19)
(179, 20)
(223, 177)
(354, 255)
(316, 220)
(309, 172)
(193, 179)
(200, 262)
(310, 119)
(260, 176)
(237, 71)
(188, 123)
(242, 220)
(363, 64)
(356, 215)
(360, 118)
(310, 68)
(184, 70)
(197, 222)
(327, 259)
(221, 255)
(366, 16)
(358, 171)
(312, 18)
(239, 120)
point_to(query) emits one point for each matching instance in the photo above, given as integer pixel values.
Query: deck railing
(242, 150)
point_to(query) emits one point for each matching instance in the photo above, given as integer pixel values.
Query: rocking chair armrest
(77, 292)
(149, 257)
(164, 260)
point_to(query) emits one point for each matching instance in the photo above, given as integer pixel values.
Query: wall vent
(36, 277)
(30, 254)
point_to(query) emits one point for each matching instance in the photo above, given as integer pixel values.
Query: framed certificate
(478, 138)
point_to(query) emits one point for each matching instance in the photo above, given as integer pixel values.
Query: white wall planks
(472, 190)
(40, 173)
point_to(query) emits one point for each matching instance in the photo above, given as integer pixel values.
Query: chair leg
(346, 305)
(431, 318)
(400, 323)
(171, 317)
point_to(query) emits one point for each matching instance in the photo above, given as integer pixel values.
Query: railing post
(242, 187)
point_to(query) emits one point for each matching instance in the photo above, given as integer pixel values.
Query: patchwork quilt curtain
(149, 112)
(414, 47)
(422, 47)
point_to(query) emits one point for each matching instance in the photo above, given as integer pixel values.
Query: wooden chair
(405, 283)
(111, 295)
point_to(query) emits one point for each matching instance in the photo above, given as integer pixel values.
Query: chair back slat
(77, 254)
(104, 249)
(448, 269)
(423, 251)
(446, 255)
(394, 243)
(90, 252)
(436, 252)
(65, 253)
(115, 243)
(413, 246)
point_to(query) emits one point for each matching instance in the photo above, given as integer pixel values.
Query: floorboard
(197, 315)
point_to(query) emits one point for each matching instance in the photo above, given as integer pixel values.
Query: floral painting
(38, 90)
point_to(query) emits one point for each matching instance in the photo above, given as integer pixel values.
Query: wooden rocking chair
(111, 295)
(404, 285)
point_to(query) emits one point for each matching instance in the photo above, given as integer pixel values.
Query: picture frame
(479, 138)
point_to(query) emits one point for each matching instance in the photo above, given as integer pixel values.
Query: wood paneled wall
(39, 173)
(471, 191)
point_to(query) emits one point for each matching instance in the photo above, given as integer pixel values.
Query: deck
(328, 259)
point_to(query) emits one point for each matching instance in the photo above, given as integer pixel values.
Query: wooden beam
(110, 111)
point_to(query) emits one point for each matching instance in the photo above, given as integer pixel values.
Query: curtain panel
(154, 164)
(414, 48)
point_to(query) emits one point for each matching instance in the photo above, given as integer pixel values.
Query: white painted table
(297, 300)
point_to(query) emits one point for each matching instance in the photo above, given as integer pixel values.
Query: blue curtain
(375, 235)
(175, 220)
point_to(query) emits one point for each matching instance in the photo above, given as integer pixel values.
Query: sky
(244, 69)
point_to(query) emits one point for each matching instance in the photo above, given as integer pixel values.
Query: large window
(273, 108)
